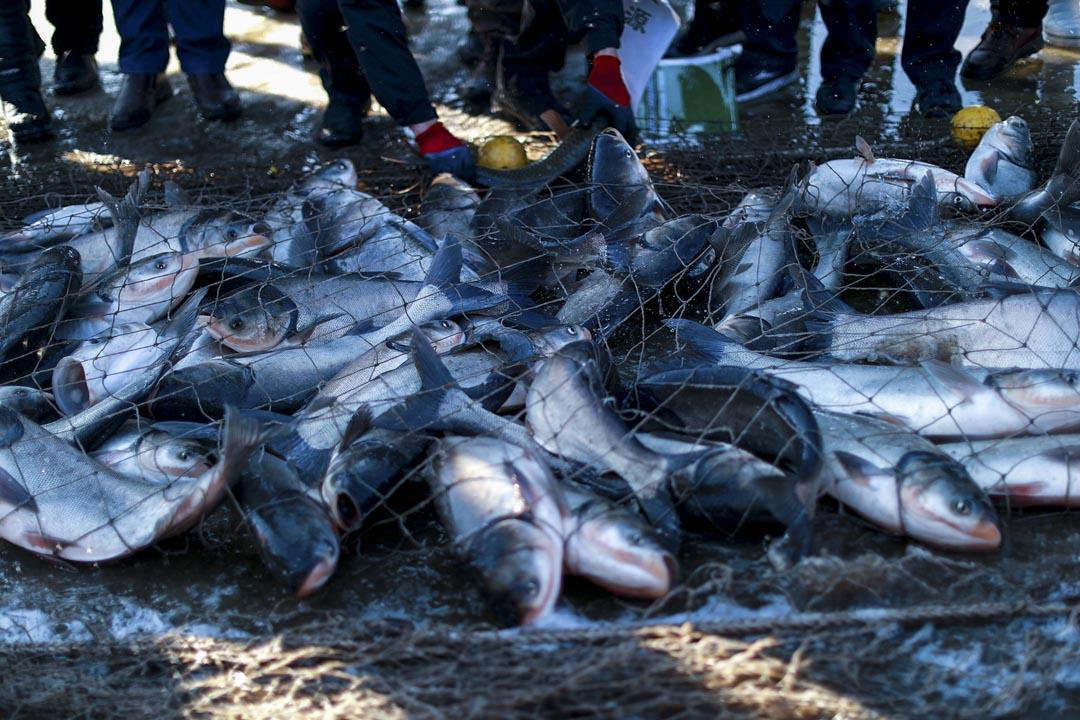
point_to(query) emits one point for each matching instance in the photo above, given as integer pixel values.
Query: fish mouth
(318, 575)
(70, 389)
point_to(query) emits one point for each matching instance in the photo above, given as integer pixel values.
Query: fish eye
(635, 538)
(21, 392)
(571, 330)
(232, 234)
(529, 588)
(95, 341)
(183, 454)
(444, 324)
(1069, 377)
(961, 507)
(236, 323)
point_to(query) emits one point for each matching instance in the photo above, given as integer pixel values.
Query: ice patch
(25, 625)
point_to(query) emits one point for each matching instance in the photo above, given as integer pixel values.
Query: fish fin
(857, 469)
(1064, 184)
(955, 378)
(531, 319)
(998, 289)
(125, 215)
(990, 255)
(885, 417)
(1065, 453)
(702, 339)
(13, 496)
(445, 268)
(923, 210)
(988, 166)
(182, 324)
(421, 409)
(359, 425)
(318, 403)
(176, 197)
(517, 346)
(361, 327)
(863, 150)
(817, 299)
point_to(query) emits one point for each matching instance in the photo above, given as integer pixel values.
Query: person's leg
(20, 79)
(377, 35)
(770, 54)
(929, 56)
(523, 91)
(492, 22)
(202, 48)
(1014, 33)
(144, 55)
(77, 27)
(847, 53)
(347, 90)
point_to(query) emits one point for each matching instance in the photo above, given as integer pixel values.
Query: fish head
(520, 567)
(445, 335)
(103, 364)
(549, 340)
(1038, 390)
(152, 286)
(942, 506)
(254, 319)
(620, 552)
(617, 176)
(337, 173)
(227, 233)
(296, 542)
(28, 401)
(1012, 138)
(163, 454)
(963, 196)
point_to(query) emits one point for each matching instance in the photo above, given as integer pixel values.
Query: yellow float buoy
(502, 152)
(969, 125)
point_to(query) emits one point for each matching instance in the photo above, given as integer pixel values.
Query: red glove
(606, 95)
(445, 153)
(606, 76)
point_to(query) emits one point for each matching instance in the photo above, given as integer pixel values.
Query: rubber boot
(1061, 26)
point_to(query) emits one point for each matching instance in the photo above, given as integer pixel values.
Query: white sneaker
(1062, 23)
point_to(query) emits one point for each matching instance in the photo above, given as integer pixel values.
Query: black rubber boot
(24, 107)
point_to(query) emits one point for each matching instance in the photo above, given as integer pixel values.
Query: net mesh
(992, 633)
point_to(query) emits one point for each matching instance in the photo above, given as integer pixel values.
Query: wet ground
(211, 583)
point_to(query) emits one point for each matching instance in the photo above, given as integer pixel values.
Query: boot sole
(769, 87)
(1062, 41)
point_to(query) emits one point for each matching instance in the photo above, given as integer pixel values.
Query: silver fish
(869, 185)
(505, 514)
(57, 501)
(1003, 163)
(614, 548)
(1041, 470)
(901, 483)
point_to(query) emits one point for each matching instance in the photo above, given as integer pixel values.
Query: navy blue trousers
(771, 25)
(373, 52)
(930, 33)
(201, 44)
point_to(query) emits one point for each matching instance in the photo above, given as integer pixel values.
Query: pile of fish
(321, 360)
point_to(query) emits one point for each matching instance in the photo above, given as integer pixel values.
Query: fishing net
(870, 626)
